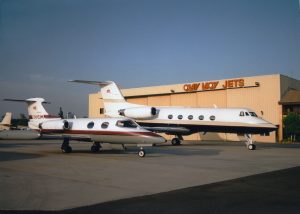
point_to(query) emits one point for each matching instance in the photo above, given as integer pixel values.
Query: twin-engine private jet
(98, 130)
(180, 121)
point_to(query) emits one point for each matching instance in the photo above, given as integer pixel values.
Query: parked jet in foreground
(6, 122)
(181, 121)
(100, 130)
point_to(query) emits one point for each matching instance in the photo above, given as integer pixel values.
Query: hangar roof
(290, 98)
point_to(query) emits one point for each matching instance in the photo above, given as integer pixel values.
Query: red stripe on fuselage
(88, 132)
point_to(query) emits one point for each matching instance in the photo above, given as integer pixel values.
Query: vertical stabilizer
(36, 111)
(112, 96)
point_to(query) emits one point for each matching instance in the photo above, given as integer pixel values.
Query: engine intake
(56, 125)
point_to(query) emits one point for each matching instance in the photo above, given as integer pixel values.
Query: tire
(175, 141)
(95, 148)
(142, 153)
(251, 147)
(67, 149)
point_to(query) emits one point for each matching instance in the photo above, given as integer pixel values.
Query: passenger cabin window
(170, 116)
(201, 117)
(180, 117)
(247, 114)
(212, 117)
(104, 125)
(90, 125)
(242, 114)
(190, 117)
(126, 124)
(253, 114)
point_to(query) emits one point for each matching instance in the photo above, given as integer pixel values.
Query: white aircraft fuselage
(108, 130)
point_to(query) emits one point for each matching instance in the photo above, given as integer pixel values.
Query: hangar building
(270, 96)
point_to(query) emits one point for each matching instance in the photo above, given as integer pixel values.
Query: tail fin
(6, 119)
(113, 98)
(36, 111)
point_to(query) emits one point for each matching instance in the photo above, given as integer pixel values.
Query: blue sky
(44, 43)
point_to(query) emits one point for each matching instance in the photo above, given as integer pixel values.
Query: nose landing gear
(249, 143)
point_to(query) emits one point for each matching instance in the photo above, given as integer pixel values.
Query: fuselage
(108, 130)
(228, 120)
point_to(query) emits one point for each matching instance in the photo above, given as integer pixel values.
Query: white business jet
(180, 121)
(6, 122)
(98, 130)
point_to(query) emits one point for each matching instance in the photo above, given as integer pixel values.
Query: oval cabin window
(170, 116)
(180, 117)
(190, 117)
(212, 117)
(201, 117)
(90, 125)
(104, 125)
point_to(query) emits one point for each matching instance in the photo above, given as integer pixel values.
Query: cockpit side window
(253, 114)
(247, 114)
(242, 114)
(126, 124)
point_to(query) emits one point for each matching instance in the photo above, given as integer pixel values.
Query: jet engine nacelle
(56, 125)
(139, 112)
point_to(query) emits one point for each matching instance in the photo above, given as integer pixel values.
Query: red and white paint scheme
(98, 130)
(181, 121)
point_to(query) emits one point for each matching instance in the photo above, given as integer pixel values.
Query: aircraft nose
(154, 138)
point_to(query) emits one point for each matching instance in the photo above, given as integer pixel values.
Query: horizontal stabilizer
(27, 100)
(101, 84)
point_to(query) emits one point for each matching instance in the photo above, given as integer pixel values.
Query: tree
(292, 125)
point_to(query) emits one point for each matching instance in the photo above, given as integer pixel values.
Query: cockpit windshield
(253, 114)
(126, 124)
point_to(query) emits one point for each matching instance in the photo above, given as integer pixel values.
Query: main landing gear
(65, 147)
(249, 143)
(95, 147)
(177, 140)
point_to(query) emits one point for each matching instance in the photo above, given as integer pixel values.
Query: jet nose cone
(154, 138)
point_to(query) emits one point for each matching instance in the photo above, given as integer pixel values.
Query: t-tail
(36, 111)
(113, 98)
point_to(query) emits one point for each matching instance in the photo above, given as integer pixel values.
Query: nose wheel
(249, 142)
(142, 153)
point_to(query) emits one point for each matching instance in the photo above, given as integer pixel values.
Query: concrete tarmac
(35, 175)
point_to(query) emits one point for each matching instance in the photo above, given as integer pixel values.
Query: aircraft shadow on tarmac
(11, 156)
(151, 151)
(12, 144)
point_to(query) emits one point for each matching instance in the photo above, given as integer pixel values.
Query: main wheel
(175, 141)
(251, 146)
(66, 149)
(142, 153)
(95, 148)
